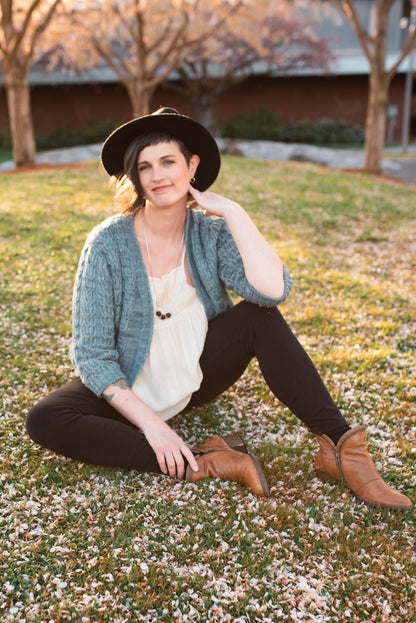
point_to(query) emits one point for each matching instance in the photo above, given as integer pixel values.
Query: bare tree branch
(19, 34)
(115, 60)
(42, 27)
(165, 34)
(406, 50)
(172, 53)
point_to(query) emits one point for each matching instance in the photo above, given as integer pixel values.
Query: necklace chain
(159, 313)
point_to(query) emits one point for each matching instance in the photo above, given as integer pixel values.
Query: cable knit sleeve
(93, 349)
(232, 274)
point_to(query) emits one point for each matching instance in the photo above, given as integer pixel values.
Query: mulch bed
(41, 166)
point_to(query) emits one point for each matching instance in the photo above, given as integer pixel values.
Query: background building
(73, 101)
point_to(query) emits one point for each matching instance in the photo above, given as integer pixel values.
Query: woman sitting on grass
(155, 331)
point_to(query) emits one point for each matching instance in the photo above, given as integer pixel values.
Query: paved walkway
(337, 158)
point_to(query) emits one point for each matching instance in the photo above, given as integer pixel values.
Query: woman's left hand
(212, 204)
(262, 266)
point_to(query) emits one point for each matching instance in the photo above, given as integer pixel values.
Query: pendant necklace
(166, 314)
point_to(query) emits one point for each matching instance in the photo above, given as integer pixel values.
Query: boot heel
(235, 442)
(266, 490)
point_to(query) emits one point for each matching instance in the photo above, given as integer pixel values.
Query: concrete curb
(266, 150)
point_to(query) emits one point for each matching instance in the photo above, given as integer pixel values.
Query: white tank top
(171, 372)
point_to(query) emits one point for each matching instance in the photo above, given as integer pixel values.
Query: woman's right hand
(170, 449)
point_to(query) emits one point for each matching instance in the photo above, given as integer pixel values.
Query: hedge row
(260, 125)
(265, 125)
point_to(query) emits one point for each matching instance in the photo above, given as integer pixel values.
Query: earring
(193, 180)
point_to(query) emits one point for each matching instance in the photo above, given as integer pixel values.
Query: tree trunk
(139, 97)
(375, 130)
(204, 112)
(20, 117)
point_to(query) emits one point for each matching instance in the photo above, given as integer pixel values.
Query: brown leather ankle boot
(349, 462)
(216, 460)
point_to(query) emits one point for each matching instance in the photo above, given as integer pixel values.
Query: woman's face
(164, 173)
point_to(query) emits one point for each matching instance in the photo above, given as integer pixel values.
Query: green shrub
(260, 125)
(94, 132)
(5, 139)
(266, 125)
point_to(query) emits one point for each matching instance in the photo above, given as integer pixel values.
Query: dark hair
(129, 193)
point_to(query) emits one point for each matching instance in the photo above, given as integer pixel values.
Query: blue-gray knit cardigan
(112, 305)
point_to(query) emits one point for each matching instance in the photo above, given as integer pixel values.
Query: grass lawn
(92, 545)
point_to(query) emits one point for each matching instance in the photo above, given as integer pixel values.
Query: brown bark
(375, 129)
(20, 117)
(16, 53)
(139, 97)
(204, 113)
(374, 47)
(378, 91)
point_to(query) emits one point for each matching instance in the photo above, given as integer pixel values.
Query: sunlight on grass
(93, 545)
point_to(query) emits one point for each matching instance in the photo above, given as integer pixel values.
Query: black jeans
(72, 421)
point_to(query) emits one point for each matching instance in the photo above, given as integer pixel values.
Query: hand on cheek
(211, 203)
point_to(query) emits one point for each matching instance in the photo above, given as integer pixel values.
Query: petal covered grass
(94, 545)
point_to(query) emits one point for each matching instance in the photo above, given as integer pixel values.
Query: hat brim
(196, 138)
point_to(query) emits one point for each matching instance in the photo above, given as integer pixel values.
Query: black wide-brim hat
(166, 120)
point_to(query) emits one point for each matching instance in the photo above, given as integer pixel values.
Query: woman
(155, 331)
